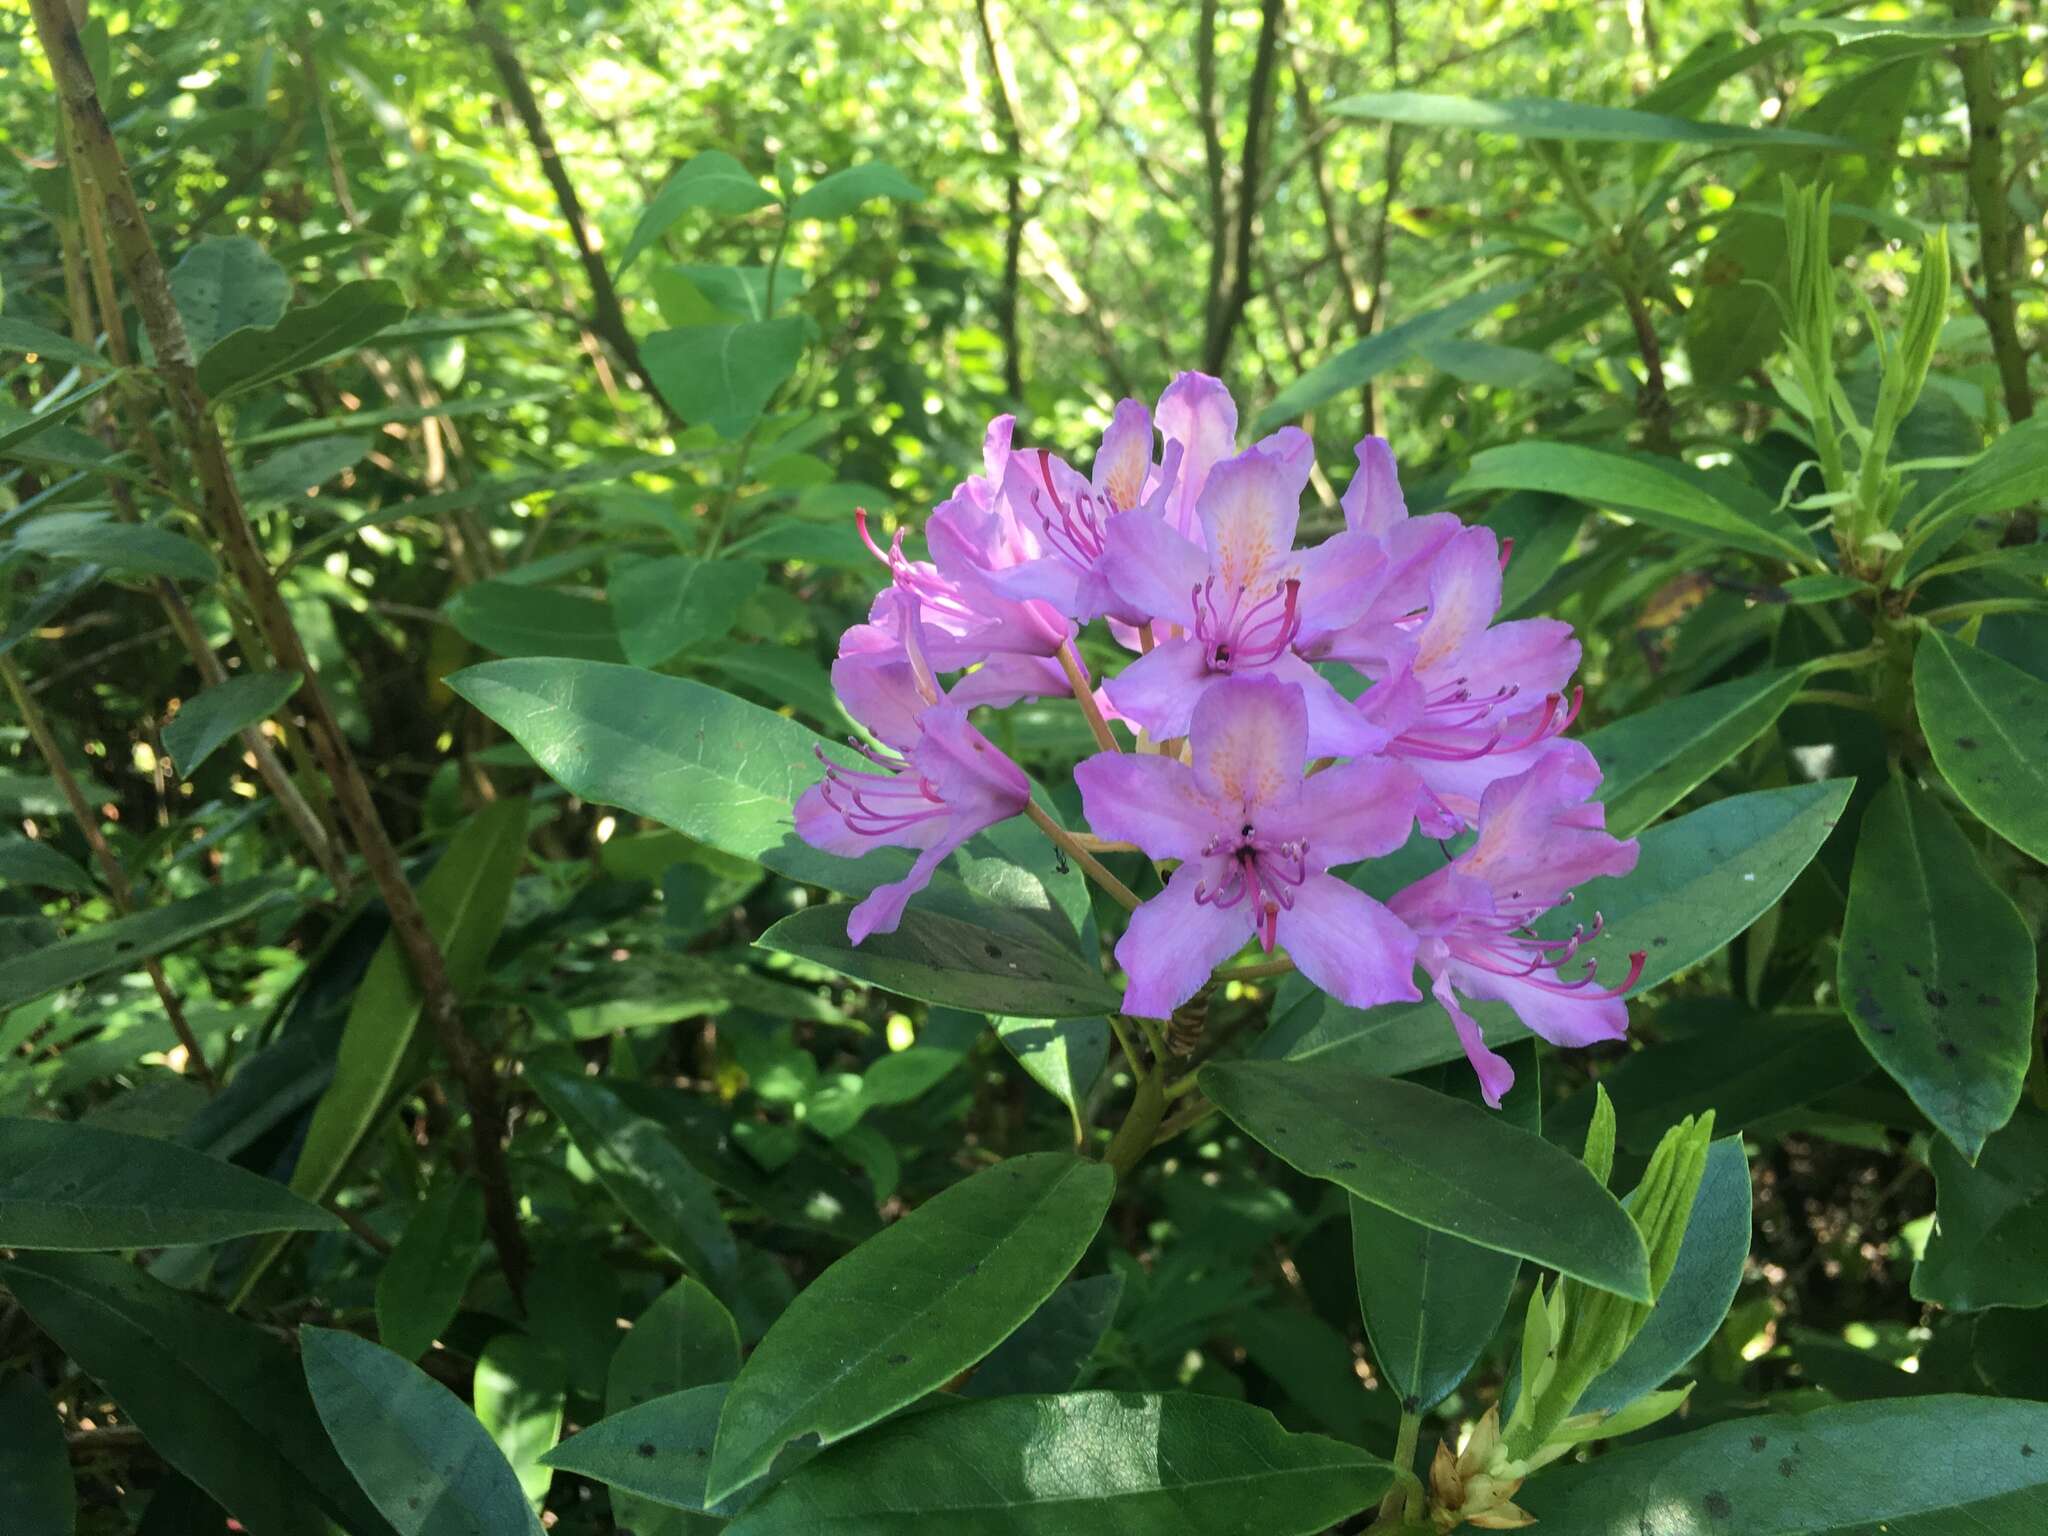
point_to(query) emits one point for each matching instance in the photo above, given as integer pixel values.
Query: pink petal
(1152, 569)
(1174, 942)
(1464, 595)
(1250, 507)
(1539, 835)
(882, 908)
(1581, 1018)
(1149, 800)
(1348, 944)
(1336, 728)
(1197, 413)
(1159, 689)
(1250, 740)
(1373, 502)
(1339, 579)
(979, 785)
(1002, 680)
(1125, 456)
(879, 690)
(1496, 1077)
(1356, 810)
(1536, 656)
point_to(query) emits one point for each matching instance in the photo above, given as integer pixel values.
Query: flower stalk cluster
(1255, 782)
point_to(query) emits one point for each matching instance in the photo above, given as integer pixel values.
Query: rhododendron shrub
(1230, 756)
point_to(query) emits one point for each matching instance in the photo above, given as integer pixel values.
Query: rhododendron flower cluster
(1250, 778)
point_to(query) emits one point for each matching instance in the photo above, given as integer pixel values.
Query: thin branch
(1229, 313)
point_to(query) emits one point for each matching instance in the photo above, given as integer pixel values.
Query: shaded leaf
(1984, 720)
(206, 720)
(712, 179)
(348, 318)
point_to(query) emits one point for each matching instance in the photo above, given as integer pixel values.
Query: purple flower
(934, 782)
(1243, 605)
(1539, 835)
(1377, 640)
(1255, 838)
(1472, 702)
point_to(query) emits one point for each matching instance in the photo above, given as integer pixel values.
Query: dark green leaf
(208, 719)
(645, 1172)
(1050, 1350)
(1534, 118)
(18, 427)
(711, 180)
(413, 1446)
(29, 861)
(1443, 1164)
(1062, 1056)
(35, 1466)
(654, 1456)
(665, 606)
(1128, 1464)
(1654, 759)
(224, 284)
(521, 1393)
(515, 620)
(1984, 720)
(1990, 1243)
(911, 1308)
(220, 1399)
(1937, 967)
(26, 337)
(723, 374)
(125, 942)
(1829, 1472)
(291, 472)
(421, 1284)
(685, 1339)
(346, 319)
(126, 549)
(77, 1187)
(2012, 472)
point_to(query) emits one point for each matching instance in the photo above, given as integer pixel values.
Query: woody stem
(1085, 697)
(1090, 865)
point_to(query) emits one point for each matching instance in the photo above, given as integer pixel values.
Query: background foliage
(563, 331)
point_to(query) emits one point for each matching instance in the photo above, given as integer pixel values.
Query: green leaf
(1432, 1302)
(208, 719)
(1940, 31)
(1827, 1472)
(685, 1339)
(836, 195)
(79, 1188)
(126, 549)
(1052, 1347)
(1443, 1164)
(711, 180)
(662, 607)
(1085, 1464)
(1569, 121)
(1062, 1056)
(464, 900)
(18, 427)
(1359, 364)
(26, 337)
(516, 620)
(1700, 1289)
(911, 1308)
(1643, 488)
(740, 293)
(1937, 967)
(1735, 323)
(522, 1393)
(1983, 719)
(35, 1465)
(646, 1172)
(654, 1457)
(420, 1287)
(1654, 759)
(219, 1399)
(984, 960)
(1823, 587)
(224, 284)
(2012, 472)
(30, 861)
(415, 1449)
(125, 942)
(1990, 1242)
(290, 473)
(1699, 881)
(50, 598)
(723, 374)
(305, 337)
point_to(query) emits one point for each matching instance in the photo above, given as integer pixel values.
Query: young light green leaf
(2012, 472)
(910, 1308)
(665, 606)
(1652, 760)
(712, 179)
(305, 337)
(646, 1172)
(1990, 1242)
(221, 1400)
(521, 1393)
(123, 943)
(1443, 1164)
(420, 1287)
(836, 195)
(1571, 121)
(206, 720)
(1130, 1464)
(1937, 967)
(1984, 721)
(1062, 1056)
(723, 374)
(80, 1188)
(35, 1464)
(414, 1447)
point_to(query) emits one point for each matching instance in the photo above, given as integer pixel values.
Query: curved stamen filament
(1267, 874)
(1246, 636)
(1077, 533)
